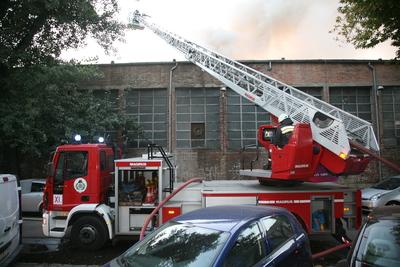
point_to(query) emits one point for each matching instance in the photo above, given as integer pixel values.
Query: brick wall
(221, 163)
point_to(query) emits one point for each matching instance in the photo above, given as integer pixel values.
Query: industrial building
(206, 125)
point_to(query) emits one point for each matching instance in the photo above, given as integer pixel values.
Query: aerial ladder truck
(100, 198)
(333, 141)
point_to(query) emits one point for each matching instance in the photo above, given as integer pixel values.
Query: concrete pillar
(223, 132)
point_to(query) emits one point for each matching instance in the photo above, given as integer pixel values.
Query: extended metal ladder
(331, 127)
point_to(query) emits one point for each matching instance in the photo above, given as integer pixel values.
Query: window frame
(64, 175)
(195, 106)
(272, 250)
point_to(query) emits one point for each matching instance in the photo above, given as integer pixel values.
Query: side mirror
(50, 169)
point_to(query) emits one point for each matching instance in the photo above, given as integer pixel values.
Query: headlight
(376, 197)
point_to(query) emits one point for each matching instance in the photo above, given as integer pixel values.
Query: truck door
(70, 178)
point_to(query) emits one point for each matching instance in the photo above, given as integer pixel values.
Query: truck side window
(103, 163)
(59, 177)
(110, 163)
(71, 164)
(268, 134)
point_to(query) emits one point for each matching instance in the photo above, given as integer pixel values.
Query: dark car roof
(386, 212)
(225, 218)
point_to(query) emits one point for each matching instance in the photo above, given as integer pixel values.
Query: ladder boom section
(331, 126)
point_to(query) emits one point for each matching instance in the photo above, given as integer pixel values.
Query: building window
(313, 91)
(148, 107)
(243, 118)
(197, 117)
(391, 116)
(355, 100)
(198, 134)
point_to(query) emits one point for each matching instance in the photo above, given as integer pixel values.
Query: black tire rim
(87, 234)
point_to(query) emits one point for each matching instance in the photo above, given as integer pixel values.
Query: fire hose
(162, 203)
(330, 250)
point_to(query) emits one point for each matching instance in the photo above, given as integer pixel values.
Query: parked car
(32, 194)
(223, 236)
(10, 219)
(384, 193)
(378, 241)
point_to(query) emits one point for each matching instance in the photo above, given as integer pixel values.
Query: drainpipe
(170, 106)
(378, 128)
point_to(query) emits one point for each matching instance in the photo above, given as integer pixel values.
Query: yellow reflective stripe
(287, 129)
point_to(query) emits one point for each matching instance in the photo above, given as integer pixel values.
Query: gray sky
(239, 29)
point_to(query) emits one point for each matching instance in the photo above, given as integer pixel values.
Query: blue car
(225, 236)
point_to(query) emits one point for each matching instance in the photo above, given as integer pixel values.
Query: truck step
(60, 217)
(57, 229)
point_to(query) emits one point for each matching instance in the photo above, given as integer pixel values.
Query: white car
(32, 194)
(10, 220)
(384, 193)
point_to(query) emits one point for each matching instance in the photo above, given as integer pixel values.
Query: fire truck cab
(84, 169)
(99, 198)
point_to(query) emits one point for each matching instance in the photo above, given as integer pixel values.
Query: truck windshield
(175, 244)
(71, 164)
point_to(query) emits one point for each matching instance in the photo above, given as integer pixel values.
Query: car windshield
(176, 244)
(388, 184)
(380, 244)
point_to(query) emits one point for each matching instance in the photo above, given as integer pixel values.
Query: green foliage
(36, 31)
(42, 102)
(46, 107)
(369, 22)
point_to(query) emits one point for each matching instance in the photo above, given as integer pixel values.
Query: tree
(42, 102)
(36, 31)
(46, 107)
(370, 22)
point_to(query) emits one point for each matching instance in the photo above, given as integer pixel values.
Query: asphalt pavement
(39, 250)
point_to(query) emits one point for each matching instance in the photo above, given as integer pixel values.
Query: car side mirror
(50, 169)
(342, 263)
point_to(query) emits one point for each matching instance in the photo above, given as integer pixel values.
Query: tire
(89, 233)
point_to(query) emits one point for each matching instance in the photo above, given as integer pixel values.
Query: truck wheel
(89, 233)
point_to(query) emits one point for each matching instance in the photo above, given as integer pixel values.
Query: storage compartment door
(230, 200)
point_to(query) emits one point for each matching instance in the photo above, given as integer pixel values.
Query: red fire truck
(78, 196)
(81, 196)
